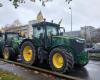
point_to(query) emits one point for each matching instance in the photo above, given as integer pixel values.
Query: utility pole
(71, 18)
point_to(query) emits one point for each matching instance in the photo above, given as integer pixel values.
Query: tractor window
(37, 31)
(10, 36)
(51, 30)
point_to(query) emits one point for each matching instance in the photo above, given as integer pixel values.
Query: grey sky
(85, 12)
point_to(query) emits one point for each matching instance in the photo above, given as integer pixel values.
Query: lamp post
(71, 18)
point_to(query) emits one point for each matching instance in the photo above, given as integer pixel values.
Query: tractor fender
(66, 47)
(31, 40)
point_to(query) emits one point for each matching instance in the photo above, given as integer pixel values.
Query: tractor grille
(77, 46)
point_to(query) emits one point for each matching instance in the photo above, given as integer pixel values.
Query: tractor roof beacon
(48, 45)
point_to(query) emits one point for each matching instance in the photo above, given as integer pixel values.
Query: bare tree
(16, 3)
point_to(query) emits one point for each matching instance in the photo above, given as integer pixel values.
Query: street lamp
(71, 18)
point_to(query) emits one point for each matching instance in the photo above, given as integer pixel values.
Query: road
(89, 72)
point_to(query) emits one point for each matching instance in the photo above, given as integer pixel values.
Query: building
(96, 36)
(26, 30)
(73, 34)
(87, 32)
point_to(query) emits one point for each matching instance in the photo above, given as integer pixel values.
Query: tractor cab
(47, 29)
(10, 36)
(43, 32)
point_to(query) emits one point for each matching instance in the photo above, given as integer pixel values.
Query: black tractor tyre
(68, 60)
(9, 53)
(33, 59)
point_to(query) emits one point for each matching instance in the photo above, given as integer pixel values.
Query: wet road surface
(90, 72)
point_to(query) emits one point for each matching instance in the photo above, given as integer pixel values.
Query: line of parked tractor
(47, 45)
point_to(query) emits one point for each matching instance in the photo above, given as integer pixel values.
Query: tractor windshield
(51, 30)
(10, 36)
(37, 31)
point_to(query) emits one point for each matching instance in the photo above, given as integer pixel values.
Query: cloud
(85, 12)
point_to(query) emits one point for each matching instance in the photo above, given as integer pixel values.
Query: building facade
(26, 30)
(73, 34)
(87, 32)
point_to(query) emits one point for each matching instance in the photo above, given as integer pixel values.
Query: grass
(4, 75)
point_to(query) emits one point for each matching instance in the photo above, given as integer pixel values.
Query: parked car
(94, 49)
(94, 52)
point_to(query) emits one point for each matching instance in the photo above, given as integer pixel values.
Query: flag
(68, 1)
(40, 17)
(60, 22)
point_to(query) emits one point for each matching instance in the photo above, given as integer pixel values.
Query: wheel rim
(27, 53)
(58, 60)
(6, 54)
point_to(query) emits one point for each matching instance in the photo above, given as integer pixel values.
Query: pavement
(26, 74)
(90, 72)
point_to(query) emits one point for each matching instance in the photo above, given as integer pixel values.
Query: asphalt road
(90, 72)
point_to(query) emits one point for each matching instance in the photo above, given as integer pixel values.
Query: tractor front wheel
(28, 53)
(61, 60)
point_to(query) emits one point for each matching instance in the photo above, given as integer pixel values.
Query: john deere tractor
(49, 45)
(9, 45)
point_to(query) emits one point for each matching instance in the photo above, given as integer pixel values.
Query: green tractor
(49, 45)
(9, 45)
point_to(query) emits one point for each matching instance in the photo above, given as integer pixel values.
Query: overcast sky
(84, 12)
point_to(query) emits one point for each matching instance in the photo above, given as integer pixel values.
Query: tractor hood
(67, 38)
(67, 41)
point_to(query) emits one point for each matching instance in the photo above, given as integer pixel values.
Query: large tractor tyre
(61, 60)
(28, 53)
(9, 53)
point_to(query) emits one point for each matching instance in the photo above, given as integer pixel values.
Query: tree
(16, 3)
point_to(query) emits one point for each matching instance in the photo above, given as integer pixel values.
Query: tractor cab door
(38, 36)
(51, 30)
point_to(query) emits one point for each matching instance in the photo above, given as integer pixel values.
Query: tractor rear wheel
(8, 53)
(28, 53)
(61, 60)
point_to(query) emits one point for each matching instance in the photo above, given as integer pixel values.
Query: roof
(45, 23)
(11, 33)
